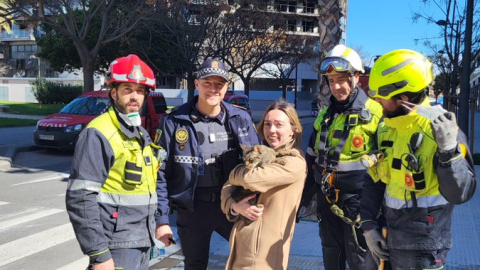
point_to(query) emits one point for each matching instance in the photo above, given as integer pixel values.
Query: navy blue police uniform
(201, 152)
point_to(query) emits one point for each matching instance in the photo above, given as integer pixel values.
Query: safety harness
(330, 160)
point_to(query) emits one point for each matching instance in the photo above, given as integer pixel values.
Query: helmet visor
(388, 90)
(335, 64)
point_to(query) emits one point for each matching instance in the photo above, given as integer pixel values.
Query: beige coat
(265, 243)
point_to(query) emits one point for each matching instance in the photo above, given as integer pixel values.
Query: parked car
(60, 130)
(238, 100)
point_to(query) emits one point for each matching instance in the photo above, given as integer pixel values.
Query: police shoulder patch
(181, 135)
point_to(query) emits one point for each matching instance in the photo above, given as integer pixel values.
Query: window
(309, 6)
(291, 25)
(286, 6)
(4, 93)
(308, 26)
(23, 51)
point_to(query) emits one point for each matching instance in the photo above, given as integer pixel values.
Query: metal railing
(18, 34)
(453, 103)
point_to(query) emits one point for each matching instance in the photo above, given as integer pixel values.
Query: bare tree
(249, 39)
(300, 49)
(451, 42)
(174, 41)
(117, 19)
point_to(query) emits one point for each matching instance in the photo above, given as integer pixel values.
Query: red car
(60, 130)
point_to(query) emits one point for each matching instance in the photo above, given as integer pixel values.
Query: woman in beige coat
(265, 242)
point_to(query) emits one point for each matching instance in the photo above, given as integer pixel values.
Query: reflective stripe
(397, 67)
(311, 152)
(422, 202)
(185, 159)
(77, 184)
(127, 199)
(350, 166)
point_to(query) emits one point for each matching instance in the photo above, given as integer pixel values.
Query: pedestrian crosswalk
(36, 237)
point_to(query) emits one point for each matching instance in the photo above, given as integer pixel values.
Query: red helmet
(130, 69)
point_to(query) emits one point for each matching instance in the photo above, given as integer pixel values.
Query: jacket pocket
(133, 168)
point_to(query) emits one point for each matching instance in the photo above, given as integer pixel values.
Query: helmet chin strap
(352, 82)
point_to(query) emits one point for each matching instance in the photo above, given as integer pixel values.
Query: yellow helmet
(400, 71)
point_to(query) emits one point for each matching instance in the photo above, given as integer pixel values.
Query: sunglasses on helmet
(336, 64)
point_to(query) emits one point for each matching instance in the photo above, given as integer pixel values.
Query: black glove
(377, 245)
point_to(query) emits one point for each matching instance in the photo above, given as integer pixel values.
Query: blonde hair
(289, 110)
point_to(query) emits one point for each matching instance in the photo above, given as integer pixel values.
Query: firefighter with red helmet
(112, 190)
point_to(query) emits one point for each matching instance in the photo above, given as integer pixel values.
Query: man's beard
(122, 107)
(399, 111)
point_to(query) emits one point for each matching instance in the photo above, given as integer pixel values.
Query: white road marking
(26, 246)
(50, 178)
(12, 222)
(21, 213)
(3, 203)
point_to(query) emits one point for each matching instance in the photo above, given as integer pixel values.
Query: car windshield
(86, 106)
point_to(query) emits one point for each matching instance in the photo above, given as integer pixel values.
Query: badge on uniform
(148, 161)
(409, 180)
(181, 136)
(357, 142)
(211, 137)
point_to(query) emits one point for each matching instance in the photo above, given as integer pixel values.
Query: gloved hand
(377, 245)
(445, 130)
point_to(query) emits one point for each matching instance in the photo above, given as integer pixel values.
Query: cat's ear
(258, 148)
(243, 146)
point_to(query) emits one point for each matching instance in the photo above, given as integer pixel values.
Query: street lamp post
(465, 76)
(453, 55)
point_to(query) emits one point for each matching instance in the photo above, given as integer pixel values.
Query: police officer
(112, 191)
(343, 131)
(202, 138)
(426, 169)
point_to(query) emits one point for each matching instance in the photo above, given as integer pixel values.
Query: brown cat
(253, 156)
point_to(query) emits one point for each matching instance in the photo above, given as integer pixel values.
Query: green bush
(55, 93)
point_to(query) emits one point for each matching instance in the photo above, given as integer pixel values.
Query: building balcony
(18, 34)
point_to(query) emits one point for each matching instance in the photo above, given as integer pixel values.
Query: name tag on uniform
(211, 137)
(148, 161)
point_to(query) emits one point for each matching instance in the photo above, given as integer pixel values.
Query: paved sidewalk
(8, 149)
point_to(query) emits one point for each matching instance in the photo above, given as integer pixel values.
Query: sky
(375, 27)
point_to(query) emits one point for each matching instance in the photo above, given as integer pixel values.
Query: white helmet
(341, 59)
